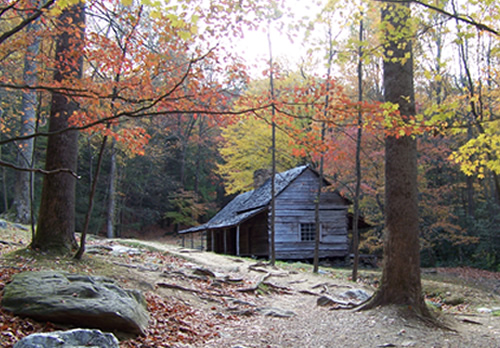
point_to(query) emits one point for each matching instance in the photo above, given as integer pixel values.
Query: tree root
(419, 311)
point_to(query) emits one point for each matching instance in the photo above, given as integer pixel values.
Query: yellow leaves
(60, 5)
(247, 147)
(481, 153)
(185, 35)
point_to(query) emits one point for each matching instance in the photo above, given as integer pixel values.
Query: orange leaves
(135, 138)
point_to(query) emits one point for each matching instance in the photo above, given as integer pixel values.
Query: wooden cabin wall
(294, 206)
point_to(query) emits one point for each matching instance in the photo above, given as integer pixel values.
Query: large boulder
(77, 338)
(77, 300)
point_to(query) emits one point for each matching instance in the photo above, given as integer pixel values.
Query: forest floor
(201, 299)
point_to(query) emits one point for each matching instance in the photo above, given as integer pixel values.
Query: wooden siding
(295, 205)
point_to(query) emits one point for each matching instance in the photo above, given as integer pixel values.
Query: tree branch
(36, 13)
(472, 22)
(135, 114)
(38, 170)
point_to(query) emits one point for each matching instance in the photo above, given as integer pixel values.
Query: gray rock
(21, 227)
(3, 224)
(79, 300)
(276, 312)
(77, 338)
(324, 301)
(355, 295)
(118, 250)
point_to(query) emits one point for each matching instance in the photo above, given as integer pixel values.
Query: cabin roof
(250, 203)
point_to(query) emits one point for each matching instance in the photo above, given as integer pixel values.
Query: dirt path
(283, 312)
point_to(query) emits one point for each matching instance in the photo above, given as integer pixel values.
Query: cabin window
(307, 232)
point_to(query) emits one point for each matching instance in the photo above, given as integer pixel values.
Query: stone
(118, 250)
(355, 295)
(77, 338)
(77, 300)
(325, 301)
(484, 310)
(276, 312)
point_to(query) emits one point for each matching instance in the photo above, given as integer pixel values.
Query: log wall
(295, 206)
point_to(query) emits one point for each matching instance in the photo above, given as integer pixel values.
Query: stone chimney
(260, 176)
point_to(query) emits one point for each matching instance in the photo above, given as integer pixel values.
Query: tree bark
(401, 283)
(272, 222)
(357, 189)
(317, 232)
(111, 211)
(56, 222)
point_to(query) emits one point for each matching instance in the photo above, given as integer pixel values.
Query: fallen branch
(139, 267)
(256, 286)
(308, 292)
(178, 287)
(468, 321)
(257, 269)
(10, 243)
(338, 304)
(297, 281)
(331, 285)
(278, 288)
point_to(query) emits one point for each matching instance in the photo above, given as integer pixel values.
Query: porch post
(212, 242)
(238, 240)
(225, 242)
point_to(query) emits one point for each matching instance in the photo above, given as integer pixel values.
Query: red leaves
(173, 322)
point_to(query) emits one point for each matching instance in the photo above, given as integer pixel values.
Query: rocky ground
(200, 299)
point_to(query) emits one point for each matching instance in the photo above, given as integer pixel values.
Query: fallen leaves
(173, 322)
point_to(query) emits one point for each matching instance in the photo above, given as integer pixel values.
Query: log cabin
(242, 227)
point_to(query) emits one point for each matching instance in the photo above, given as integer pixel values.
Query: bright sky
(255, 46)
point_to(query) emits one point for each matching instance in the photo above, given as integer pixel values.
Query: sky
(254, 47)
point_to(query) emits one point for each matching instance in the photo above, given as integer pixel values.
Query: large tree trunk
(23, 186)
(401, 282)
(56, 221)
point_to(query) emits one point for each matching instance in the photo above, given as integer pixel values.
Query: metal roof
(250, 203)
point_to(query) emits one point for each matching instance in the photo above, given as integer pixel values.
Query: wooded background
(188, 122)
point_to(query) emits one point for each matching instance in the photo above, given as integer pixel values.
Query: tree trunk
(56, 222)
(401, 284)
(23, 189)
(110, 218)
(317, 232)
(272, 221)
(357, 190)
